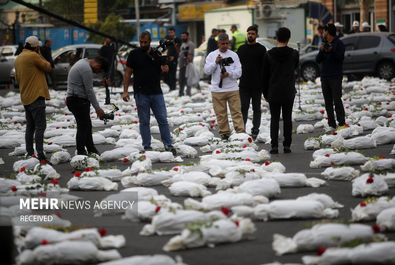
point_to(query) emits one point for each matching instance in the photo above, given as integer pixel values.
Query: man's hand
(105, 81)
(218, 59)
(100, 113)
(165, 68)
(125, 96)
(223, 75)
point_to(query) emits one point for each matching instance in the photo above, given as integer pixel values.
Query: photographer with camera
(80, 96)
(30, 69)
(186, 56)
(172, 53)
(224, 67)
(331, 56)
(147, 67)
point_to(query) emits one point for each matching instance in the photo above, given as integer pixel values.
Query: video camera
(110, 115)
(222, 63)
(164, 44)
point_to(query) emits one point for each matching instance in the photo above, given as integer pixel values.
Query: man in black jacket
(172, 53)
(251, 58)
(331, 56)
(279, 87)
(47, 54)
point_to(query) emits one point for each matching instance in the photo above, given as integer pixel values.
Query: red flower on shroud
(320, 251)
(77, 174)
(322, 111)
(332, 164)
(236, 222)
(376, 228)
(370, 180)
(213, 121)
(252, 170)
(54, 181)
(87, 169)
(225, 210)
(248, 160)
(217, 152)
(250, 139)
(327, 155)
(22, 169)
(13, 188)
(245, 146)
(58, 214)
(175, 169)
(125, 160)
(267, 163)
(102, 232)
(334, 133)
(43, 161)
(382, 157)
(362, 204)
(44, 242)
(157, 209)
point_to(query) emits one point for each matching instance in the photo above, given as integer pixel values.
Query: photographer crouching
(80, 96)
(224, 67)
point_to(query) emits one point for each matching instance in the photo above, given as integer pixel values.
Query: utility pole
(137, 11)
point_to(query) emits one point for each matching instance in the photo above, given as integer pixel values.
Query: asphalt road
(256, 251)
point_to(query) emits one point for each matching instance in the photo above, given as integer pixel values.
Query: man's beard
(251, 39)
(145, 48)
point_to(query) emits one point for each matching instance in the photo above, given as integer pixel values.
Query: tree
(113, 27)
(71, 9)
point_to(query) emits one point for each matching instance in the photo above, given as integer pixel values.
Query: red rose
(379, 103)
(180, 129)
(322, 111)
(250, 139)
(175, 169)
(327, 155)
(44, 242)
(332, 164)
(157, 209)
(362, 204)
(225, 210)
(43, 194)
(125, 160)
(87, 169)
(54, 181)
(366, 109)
(320, 251)
(77, 174)
(236, 222)
(34, 155)
(334, 133)
(389, 116)
(376, 228)
(22, 169)
(73, 171)
(347, 125)
(49, 143)
(58, 214)
(13, 188)
(144, 156)
(217, 152)
(102, 232)
(245, 146)
(252, 170)
(382, 157)
(247, 159)
(213, 121)
(57, 127)
(369, 180)
(43, 161)
(267, 163)
(15, 122)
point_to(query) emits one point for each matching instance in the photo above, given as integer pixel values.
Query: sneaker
(171, 149)
(274, 151)
(224, 137)
(287, 150)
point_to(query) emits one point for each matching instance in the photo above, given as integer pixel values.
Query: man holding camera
(251, 58)
(331, 56)
(172, 53)
(30, 69)
(187, 51)
(80, 96)
(147, 67)
(224, 67)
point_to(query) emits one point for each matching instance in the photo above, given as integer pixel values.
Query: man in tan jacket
(30, 68)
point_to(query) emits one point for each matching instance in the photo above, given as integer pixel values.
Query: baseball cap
(338, 25)
(365, 25)
(355, 24)
(33, 41)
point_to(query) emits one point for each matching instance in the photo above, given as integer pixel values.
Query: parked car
(66, 56)
(7, 58)
(366, 53)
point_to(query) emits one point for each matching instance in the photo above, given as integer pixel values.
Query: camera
(327, 45)
(225, 61)
(110, 115)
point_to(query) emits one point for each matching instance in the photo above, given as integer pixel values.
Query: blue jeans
(36, 124)
(157, 104)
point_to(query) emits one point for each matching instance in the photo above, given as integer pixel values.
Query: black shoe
(93, 151)
(287, 150)
(274, 151)
(225, 137)
(171, 149)
(254, 136)
(148, 149)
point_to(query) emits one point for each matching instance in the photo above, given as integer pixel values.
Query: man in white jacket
(227, 91)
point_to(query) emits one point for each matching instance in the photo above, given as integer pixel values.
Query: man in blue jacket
(331, 56)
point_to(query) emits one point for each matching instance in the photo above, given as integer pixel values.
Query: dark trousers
(51, 76)
(36, 124)
(170, 79)
(332, 91)
(276, 107)
(246, 96)
(81, 110)
(183, 82)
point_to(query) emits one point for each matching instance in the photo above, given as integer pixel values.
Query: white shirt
(211, 68)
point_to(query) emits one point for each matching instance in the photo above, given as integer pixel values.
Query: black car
(366, 54)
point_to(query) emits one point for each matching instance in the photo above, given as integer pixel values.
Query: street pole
(173, 14)
(137, 10)
(334, 11)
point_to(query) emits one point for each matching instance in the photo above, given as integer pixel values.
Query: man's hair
(186, 33)
(145, 33)
(103, 63)
(223, 36)
(46, 41)
(172, 29)
(213, 30)
(283, 34)
(233, 27)
(222, 30)
(253, 28)
(320, 27)
(331, 29)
